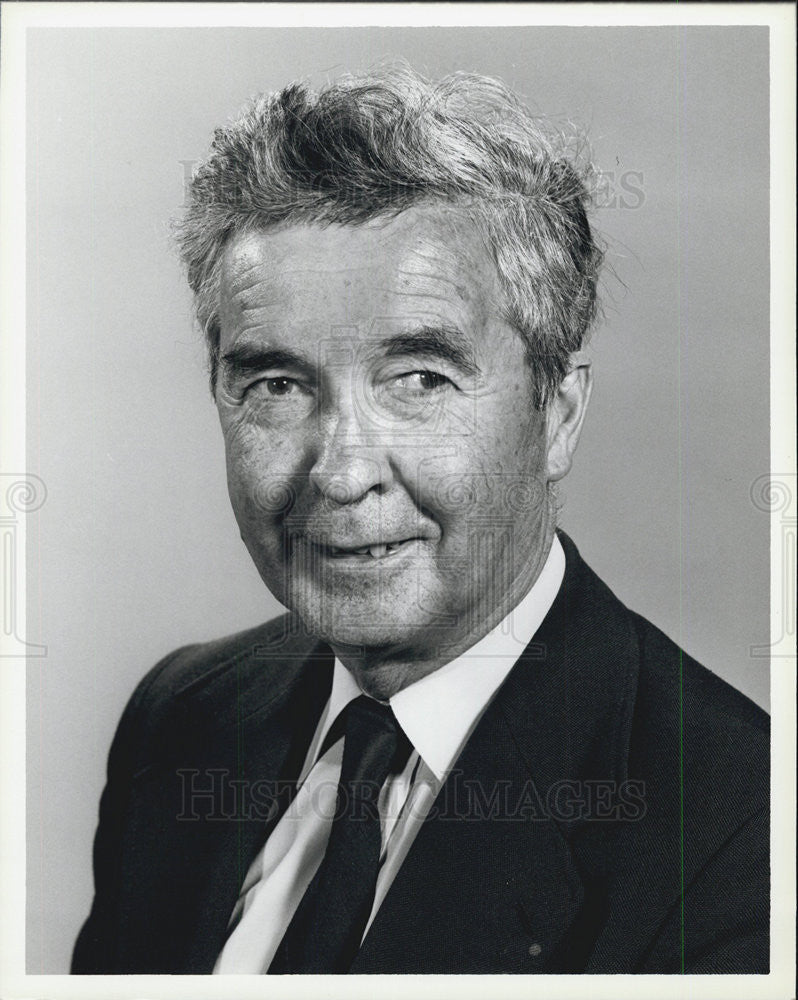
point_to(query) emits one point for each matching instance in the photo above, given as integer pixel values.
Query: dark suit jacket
(608, 815)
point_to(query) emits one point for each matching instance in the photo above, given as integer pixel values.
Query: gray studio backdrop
(136, 551)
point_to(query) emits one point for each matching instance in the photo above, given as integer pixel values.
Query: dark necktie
(325, 932)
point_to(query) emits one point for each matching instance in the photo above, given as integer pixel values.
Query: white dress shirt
(437, 713)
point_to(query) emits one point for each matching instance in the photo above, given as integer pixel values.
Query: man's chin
(356, 637)
(356, 632)
(384, 657)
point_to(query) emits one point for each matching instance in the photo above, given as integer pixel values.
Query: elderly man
(458, 752)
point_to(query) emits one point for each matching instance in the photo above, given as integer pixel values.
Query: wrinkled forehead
(424, 256)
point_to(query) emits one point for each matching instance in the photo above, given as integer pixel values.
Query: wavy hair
(371, 146)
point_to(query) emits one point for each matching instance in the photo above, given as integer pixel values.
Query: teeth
(375, 551)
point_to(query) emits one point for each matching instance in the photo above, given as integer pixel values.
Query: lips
(373, 550)
(377, 551)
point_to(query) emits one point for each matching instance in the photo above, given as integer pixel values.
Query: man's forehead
(430, 250)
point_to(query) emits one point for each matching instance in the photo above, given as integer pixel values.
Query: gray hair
(371, 146)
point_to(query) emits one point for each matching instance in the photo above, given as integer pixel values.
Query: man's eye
(422, 381)
(284, 387)
(280, 386)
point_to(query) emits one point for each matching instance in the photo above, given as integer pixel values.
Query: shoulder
(675, 696)
(699, 747)
(682, 701)
(191, 666)
(702, 750)
(676, 699)
(206, 681)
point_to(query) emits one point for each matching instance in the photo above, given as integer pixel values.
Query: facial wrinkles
(248, 285)
(425, 261)
(418, 292)
(428, 270)
(419, 283)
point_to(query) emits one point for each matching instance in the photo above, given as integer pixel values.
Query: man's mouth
(374, 550)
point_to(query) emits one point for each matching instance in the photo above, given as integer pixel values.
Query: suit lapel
(271, 742)
(239, 736)
(508, 866)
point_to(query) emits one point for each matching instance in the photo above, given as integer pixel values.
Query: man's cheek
(443, 481)
(261, 474)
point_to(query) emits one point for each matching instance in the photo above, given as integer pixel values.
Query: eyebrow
(440, 342)
(437, 342)
(245, 360)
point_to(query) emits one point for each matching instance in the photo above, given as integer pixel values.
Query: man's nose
(351, 457)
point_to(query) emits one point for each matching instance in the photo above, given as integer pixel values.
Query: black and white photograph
(399, 500)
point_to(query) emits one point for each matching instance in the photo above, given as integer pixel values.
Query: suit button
(535, 949)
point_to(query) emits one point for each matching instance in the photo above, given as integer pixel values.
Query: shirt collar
(439, 711)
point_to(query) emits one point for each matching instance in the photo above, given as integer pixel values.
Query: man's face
(385, 462)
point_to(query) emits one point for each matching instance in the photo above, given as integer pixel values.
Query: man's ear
(565, 414)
